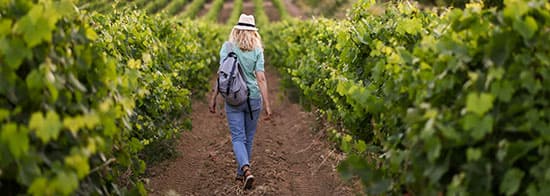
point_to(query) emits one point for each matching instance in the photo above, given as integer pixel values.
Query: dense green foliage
(460, 3)
(83, 100)
(425, 102)
(454, 103)
(63, 107)
(174, 62)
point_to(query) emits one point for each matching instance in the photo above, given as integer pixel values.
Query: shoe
(248, 179)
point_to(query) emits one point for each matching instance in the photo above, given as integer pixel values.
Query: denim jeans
(243, 129)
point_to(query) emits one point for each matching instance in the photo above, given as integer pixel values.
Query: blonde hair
(247, 40)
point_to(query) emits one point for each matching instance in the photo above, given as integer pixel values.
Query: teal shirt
(251, 62)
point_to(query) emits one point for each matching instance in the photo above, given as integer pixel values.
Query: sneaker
(249, 181)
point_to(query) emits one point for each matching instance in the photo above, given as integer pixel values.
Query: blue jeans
(243, 129)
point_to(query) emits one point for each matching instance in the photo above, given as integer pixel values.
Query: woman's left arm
(262, 82)
(213, 96)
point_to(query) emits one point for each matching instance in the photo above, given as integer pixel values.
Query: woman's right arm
(262, 82)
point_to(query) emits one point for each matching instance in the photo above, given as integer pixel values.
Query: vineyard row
(429, 101)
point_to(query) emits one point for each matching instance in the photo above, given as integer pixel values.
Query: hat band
(246, 24)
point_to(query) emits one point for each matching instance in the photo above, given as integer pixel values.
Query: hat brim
(245, 28)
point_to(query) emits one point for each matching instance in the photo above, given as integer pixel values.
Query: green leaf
(347, 138)
(511, 181)
(65, 182)
(34, 80)
(48, 128)
(17, 141)
(478, 126)
(526, 28)
(29, 170)
(436, 171)
(64, 7)
(346, 143)
(515, 8)
(5, 27)
(514, 151)
(409, 25)
(14, 52)
(4, 114)
(361, 146)
(39, 186)
(73, 124)
(479, 103)
(141, 188)
(433, 148)
(34, 27)
(450, 133)
(380, 187)
(91, 34)
(503, 90)
(500, 48)
(473, 154)
(79, 163)
(91, 120)
(495, 73)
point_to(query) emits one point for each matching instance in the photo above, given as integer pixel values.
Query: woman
(246, 43)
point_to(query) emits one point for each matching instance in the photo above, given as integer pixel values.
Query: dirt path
(205, 7)
(293, 10)
(248, 7)
(271, 11)
(225, 13)
(289, 158)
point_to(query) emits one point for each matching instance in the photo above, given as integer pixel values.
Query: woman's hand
(212, 102)
(267, 112)
(212, 106)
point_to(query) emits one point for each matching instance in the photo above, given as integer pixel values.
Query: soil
(290, 156)
(225, 12)
(248, 7)
(271, 11)
(293, 10)
(205, 7)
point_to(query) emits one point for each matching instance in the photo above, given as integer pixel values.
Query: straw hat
(246, 22)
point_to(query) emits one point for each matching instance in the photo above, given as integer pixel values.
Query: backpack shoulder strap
(229, 45)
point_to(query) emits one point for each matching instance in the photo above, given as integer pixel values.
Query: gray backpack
(231, 80)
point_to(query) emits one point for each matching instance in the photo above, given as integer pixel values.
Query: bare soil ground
(248, 7)
(289, 156)
(225, 13)
(271, 11)
(293, 10)
(205, 7)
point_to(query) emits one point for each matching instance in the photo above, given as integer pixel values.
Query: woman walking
(245, 42)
